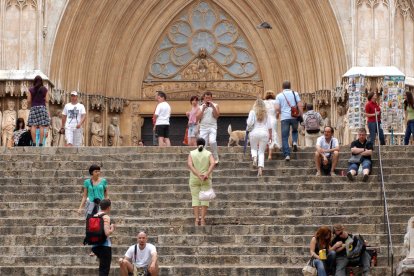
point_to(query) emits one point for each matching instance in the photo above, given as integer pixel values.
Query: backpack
(355, 247)
(312, 122)
(95, 232)
(25, 139)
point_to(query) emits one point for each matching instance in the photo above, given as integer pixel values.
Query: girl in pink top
(192, 122)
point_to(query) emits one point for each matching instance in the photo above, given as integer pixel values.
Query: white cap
(74, 93)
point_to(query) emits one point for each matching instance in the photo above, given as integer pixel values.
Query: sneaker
(318, 174)
(350, 176)
(365, 178)
(254, 161)
(295, 147)
(287, 158)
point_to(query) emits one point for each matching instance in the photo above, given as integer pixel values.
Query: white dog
(235, 136)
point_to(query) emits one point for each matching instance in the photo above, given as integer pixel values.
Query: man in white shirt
(283, 103)
(207, 116)
(327, 152)
(162, 120)
(141, 256)
(74, 114)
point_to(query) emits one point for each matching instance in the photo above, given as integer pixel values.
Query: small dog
(235, 136)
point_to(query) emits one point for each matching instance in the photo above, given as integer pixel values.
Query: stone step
(182, 270)
(224, 212)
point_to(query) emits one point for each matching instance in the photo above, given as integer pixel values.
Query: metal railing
(387, 227)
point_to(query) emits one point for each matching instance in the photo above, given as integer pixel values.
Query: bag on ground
(309, 269)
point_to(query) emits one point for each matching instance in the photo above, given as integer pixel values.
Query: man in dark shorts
(162, 120)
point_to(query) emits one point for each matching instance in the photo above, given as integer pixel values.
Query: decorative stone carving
(117, 104)
(57, 96)
(10, 87)
(58, 139)
(406, 266)
(97, 132)
(9, 124)
(24, 112)
(114, 133)
(326, 120)
(97, 102)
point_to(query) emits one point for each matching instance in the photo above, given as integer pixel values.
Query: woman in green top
(409, 109)
(201, 164)
(94, 190)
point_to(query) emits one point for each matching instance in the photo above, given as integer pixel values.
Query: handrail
(387, 227)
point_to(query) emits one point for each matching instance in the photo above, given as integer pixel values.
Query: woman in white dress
(271, 113)
(260, 134)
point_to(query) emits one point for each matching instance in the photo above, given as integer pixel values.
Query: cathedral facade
(116, 54)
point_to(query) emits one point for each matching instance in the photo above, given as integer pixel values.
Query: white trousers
(73, 136)
(310, 139)
(209, 134)
(258, 143)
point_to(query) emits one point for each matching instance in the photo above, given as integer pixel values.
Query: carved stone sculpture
(8, 124)
(24, 112)
(340, 124)
(97, 132)
(406, 266)
(114, 133)
(58, 139)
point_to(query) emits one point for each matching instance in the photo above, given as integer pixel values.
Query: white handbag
(309, 269)
(207, 195)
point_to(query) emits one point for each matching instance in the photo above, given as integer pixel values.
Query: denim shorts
(366, 164)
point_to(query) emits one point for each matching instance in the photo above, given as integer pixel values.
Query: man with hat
(74, 114)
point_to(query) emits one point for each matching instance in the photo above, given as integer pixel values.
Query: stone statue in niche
(97, 132)
(114, 133)
(340, 124)
(58, 139)
(24, 112)
(8, 124)
(326, 120)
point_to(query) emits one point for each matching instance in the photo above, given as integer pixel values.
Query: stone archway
(104, 47)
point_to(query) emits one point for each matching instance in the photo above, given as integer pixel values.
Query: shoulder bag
(138, 271)
(309, 269)
(355, 159)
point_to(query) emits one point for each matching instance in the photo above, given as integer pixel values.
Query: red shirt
(370, 108)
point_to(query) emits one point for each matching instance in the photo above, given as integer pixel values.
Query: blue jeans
(342, 262)
(409, 131)
(366, 164)
(286, 124)
(372, 127)
(324, 267)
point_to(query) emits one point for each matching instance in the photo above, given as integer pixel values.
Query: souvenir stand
(389, 83)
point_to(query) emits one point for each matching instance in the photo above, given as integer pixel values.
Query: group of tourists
(73, 117)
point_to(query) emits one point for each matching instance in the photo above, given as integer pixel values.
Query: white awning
(374, 71)
(21, 75)
(409, 81)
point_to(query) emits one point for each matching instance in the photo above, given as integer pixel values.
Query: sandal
(203, 222)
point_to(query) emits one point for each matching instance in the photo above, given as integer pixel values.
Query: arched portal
(108, 48)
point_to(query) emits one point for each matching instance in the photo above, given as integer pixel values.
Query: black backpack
(25, 139)
(95, 232)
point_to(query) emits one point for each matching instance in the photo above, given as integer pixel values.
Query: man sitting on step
(327, 153)
(361, 150)
(141, 257)
(342, 261)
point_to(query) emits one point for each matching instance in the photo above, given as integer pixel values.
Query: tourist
(409, 115)
(201, 165)
(373, 114)
(19, 131)
(192, 122)
(312, 123)
(162, 120)
(103, 251)
(74, 114)
(260, 133)
(361, 150)
(141, 257)
(94, 189)
(327, 153)
(271, 113)
(207, 115)
(38, 116)
(284, 103)
(338, 245)
(321, 252)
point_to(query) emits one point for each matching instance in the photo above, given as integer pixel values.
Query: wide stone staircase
(256, 226)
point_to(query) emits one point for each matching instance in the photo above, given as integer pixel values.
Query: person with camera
(73, 116)
(207, 115)
(95, 189)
